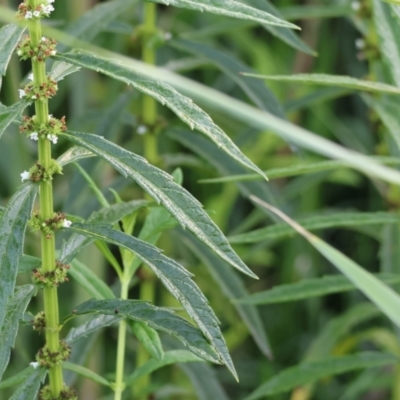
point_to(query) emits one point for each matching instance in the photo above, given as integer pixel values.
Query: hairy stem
(46, 212)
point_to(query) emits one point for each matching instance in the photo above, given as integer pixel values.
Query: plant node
(39, 322)
(49, 359)
(52, 278)
(66, 394)
(41, 92)
(45, 49)
(28, 12)
(49, 130)
(48, 226)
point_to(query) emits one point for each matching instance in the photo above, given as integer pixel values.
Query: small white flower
(30, 76)
(25, 176)
(34, 136)
(34, 364)
(53, 138)
(21, 93)
(66, 223)
(28, 15)
(20, 52)
(167, 36)
(34, 97)
(43, 39)
(50, 1)
(47, 9)
(355, 5)
(36, 14)
(53, 52)
(141, 130)
(360, 43)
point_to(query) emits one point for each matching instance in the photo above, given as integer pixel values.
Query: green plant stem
(46, 212)
(119, 380)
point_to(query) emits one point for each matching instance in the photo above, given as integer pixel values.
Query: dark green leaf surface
(12, 231)
(229, 8)
(29, 388)
(158, 318)
(309, 288)
(9, 114)
(15, 309)
(180, 203)
(181, 105)
(174, 277)
(28, 263)
(259, 94)
(9, 38)
(14, 380)
(233, 288)
(334, 220)
(311, 372)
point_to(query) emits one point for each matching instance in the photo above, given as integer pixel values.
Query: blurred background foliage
(197, 45)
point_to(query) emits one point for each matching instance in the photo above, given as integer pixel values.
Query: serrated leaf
(309, 288)
(181, 105)
(10, 35)
(29, 389)
(107, 215)
(12, 231)
(170, 357)
(180, 203)
(313, 371)
(74, 154)
(14, 311)
(94, 286)
(14, 380)
(174, 277)
(87, 373)
(158, 318)
(233, 288)
(316, 222)
(332, 80)
(259, 94)
(91, 326)
(149, 338)
(28, 263)
(9, 114)
(229, 8)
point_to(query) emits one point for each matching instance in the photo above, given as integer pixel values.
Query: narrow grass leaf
(29, 388)
(179, 202)
(259, 94)
(229, 8)
(87, 373)
(233, 288)
(384, 297)
(158, 318)
(309, 288)
(313, 371)
(175, 278)
(94, 286)
(170, 357)
(149, 338)
(10, 35)
(14, 311)
(12, 232)
(181, 105)
(331, 80)
(9, 114)
(316, 222)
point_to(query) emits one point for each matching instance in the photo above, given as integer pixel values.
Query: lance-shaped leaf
(158, 318)
(311, 372)
(229, 8)
(15, 309)
(74, 154)
(10, 35)
(28, 263)
(12, 231)
(332, 80)
(181, 105)
(309, 288)
(175, 278)
(29, 388)
(179, 202)
(9, 114)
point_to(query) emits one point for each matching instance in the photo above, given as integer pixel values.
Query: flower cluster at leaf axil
(51, 278)
(45, 91)
(48, 359)
(44, 9)
(65, 394)
(48, 226)
(39, 173)
(50, 130)
(45, 49)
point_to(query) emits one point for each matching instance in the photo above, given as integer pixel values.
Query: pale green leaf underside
(229, 8)
(15, 309)
(310, 372)
(332, 80)
(157, 318)
(322, 221)
(309, 288)
(179, 202)
(9, 38)
(181, 105)
(174, 277)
